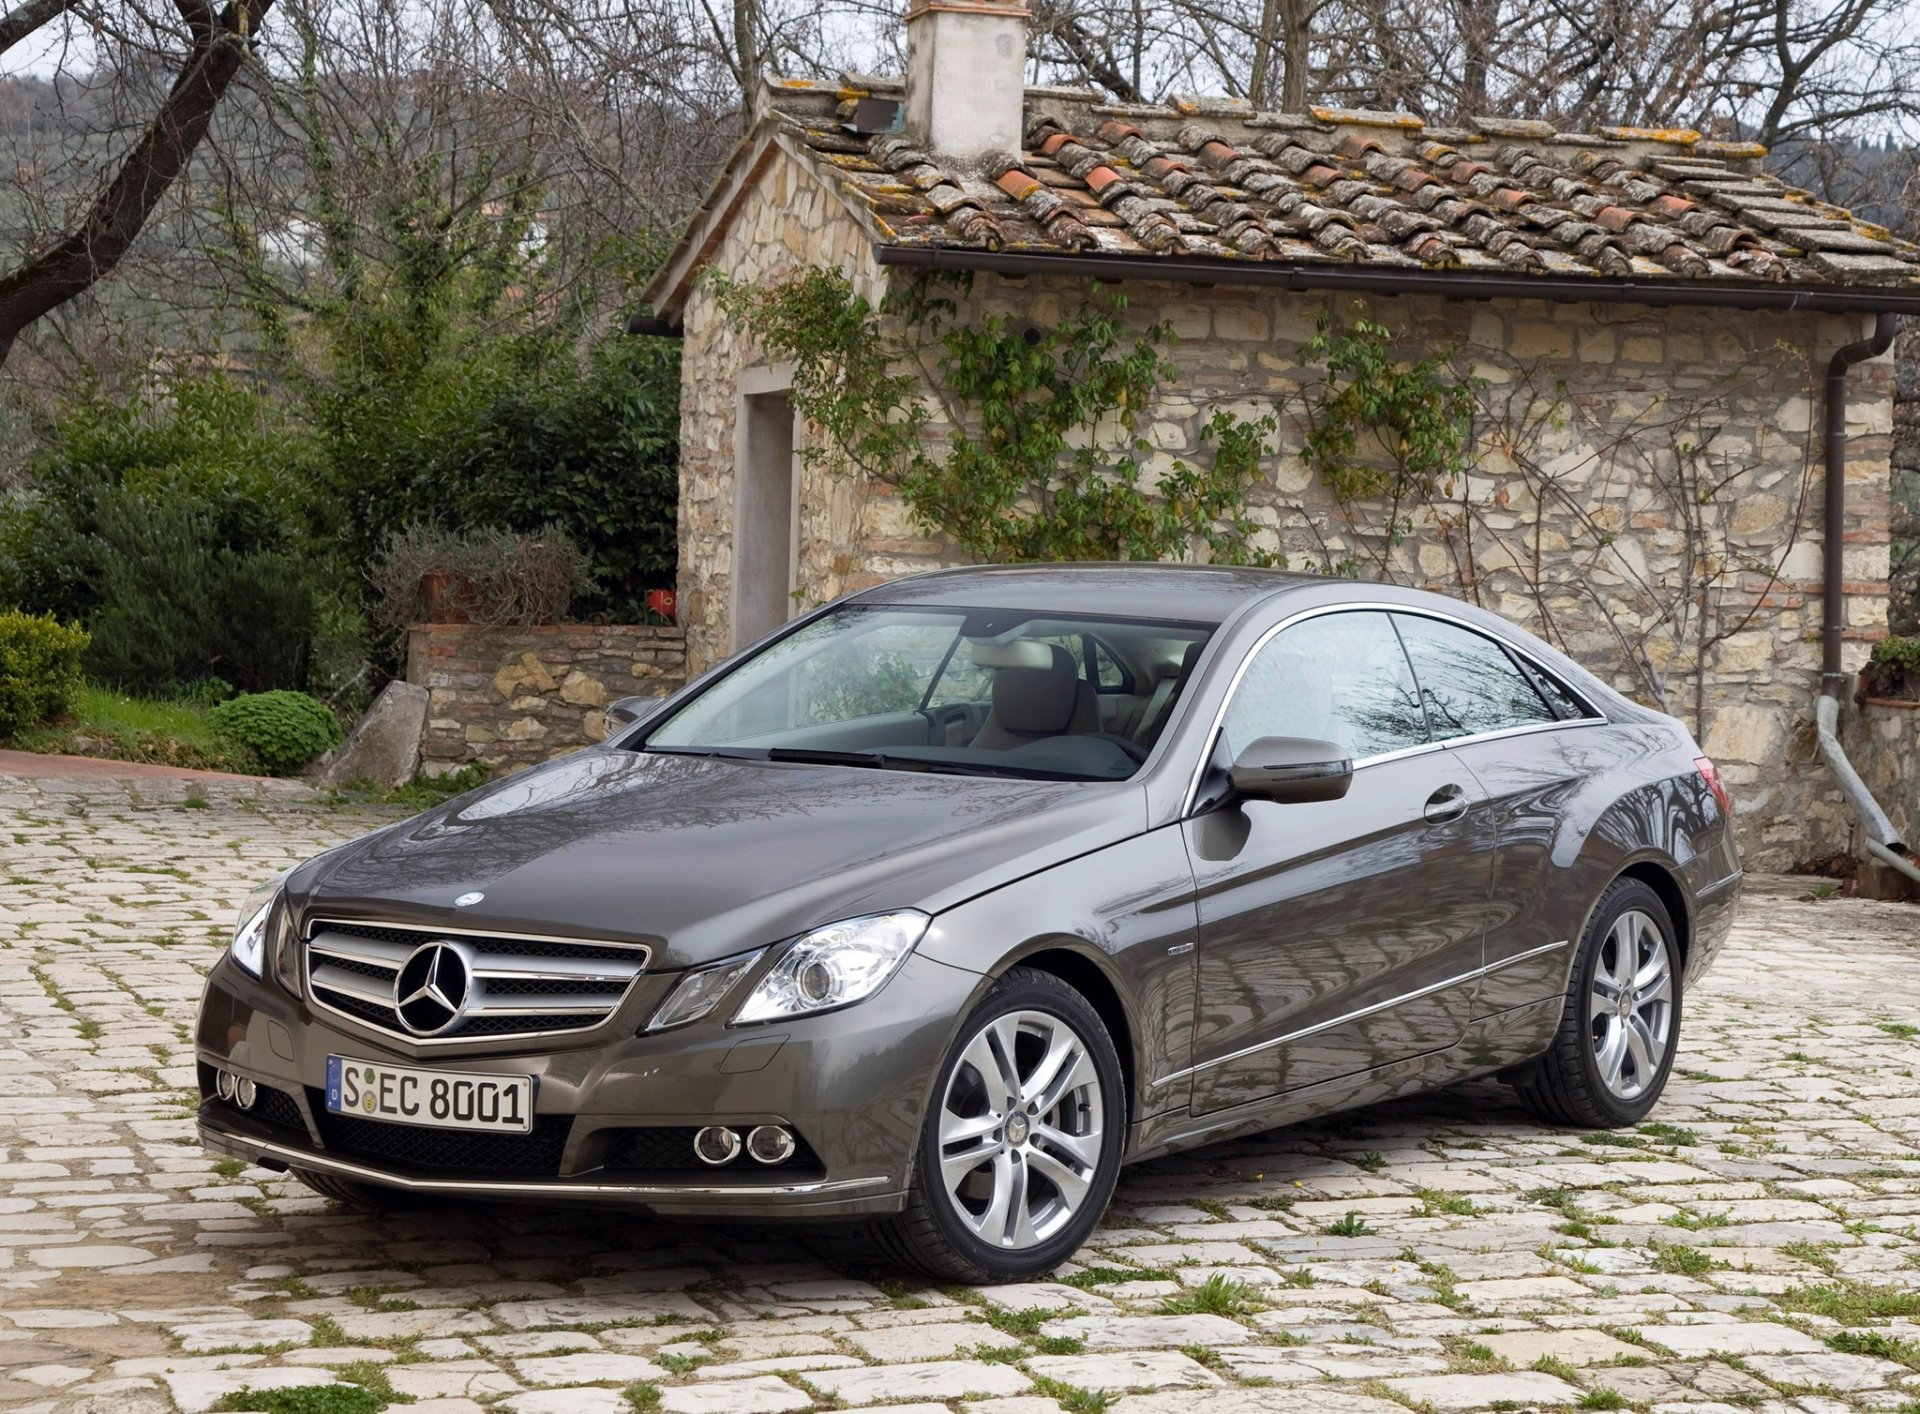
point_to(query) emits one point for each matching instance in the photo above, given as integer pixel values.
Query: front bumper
(613, 1112)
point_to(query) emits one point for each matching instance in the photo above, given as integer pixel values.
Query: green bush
(1894, 669)
(178, 607)
(178, 527)
(285, 729)
(39, 669)
(521, 433)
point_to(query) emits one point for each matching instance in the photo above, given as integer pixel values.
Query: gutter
(1882, 841)
(1449, 284)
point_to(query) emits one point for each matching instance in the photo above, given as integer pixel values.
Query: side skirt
(1492, 1043)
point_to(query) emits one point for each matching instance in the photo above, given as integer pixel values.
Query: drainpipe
(1883, 842)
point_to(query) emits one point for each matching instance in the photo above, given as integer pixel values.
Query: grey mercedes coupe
(940, 904)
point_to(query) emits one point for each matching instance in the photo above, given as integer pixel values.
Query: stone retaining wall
(510, 697)
(1883, 741)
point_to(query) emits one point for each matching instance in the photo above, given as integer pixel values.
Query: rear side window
(1469, 683)
(1559, 696)
(1339, 678)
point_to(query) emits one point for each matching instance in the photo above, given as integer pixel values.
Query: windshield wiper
(725, 753)
(882, 761)
(877, 760)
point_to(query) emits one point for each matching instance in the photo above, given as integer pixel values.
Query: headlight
(700, 992)
(835, 966)
(249, 945)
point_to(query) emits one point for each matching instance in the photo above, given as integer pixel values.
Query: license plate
(436, 1099)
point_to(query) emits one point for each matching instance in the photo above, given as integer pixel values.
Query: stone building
(1651, 312)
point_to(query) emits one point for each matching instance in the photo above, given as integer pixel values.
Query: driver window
(879, 672)
(1338, 677)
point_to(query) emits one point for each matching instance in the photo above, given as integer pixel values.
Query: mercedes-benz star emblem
(468, 900)
(430, 992)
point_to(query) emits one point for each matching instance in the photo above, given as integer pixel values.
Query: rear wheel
(1620, 1025)
(1019, 1154)
(354, 1193)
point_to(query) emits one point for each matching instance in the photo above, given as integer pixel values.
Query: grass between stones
(1072, 1398)
(1851, 1304)
(1218, 1295)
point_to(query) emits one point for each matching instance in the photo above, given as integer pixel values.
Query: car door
(1337, 936)
(1519, 730)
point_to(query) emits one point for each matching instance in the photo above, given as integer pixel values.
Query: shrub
(592, 445)
(495, 576)
(1893, 670)
(285, 729)
(178, 528)
(39, 669)
(208, 446)
(177, 607)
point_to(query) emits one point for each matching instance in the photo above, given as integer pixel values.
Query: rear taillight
(1711, 775)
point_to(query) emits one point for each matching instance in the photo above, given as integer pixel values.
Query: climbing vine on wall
(1043, 457)
(1391, 433)
(1024, 443)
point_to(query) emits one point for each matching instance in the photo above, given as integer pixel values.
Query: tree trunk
(1296, 21)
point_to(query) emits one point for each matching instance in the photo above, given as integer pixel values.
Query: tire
(1610, 1059)
(355, 1194)
(1055, 1191)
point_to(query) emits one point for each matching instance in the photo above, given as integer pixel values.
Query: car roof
(1128, 589)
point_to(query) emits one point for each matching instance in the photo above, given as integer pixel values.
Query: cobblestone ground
(1755, 1248)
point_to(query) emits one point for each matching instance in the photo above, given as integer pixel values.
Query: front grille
(445, 1150)
(670, 1150)
(513, 986)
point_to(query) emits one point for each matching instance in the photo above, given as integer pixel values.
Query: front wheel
(1621, 1023)
(1018, 1157)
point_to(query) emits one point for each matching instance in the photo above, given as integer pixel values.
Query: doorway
(766, 505)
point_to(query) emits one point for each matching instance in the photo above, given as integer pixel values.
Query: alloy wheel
(1020, 1129)
(1630, 1007)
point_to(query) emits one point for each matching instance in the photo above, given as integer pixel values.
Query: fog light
(223, 1085)
(246, 1092)
(716, 1145)
(770, 1144)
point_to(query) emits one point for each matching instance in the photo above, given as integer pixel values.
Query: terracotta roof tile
(1216, 179)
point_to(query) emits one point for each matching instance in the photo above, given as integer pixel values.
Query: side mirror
(1291, 770)
(623, 712)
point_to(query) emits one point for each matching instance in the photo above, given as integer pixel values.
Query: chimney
(966, 77)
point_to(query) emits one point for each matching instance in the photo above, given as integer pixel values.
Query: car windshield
(968, 691)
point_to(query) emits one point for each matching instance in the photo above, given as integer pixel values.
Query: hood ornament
(468, 900)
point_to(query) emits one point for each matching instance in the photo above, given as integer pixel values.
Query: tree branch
(26, 17)
(91, 251)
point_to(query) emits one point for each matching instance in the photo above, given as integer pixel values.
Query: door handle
(1447, 803)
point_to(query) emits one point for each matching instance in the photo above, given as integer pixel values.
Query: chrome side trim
(299, 1158)
(1540, 951)
(1360, 1015)
(1246, 659)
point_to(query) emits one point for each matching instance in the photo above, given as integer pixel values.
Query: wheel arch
(1665, 883)
(1090, 978)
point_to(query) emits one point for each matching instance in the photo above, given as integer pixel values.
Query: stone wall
(510, 697)
(792, 222)
(1904, 610)
(1647, 492)
(1883, 742)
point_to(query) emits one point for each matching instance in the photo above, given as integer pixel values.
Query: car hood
(705, 857)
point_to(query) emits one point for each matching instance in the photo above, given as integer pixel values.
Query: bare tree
(215, 49)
